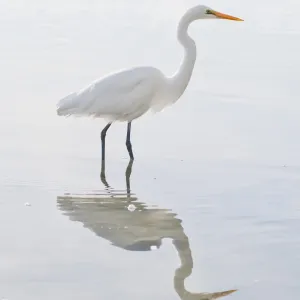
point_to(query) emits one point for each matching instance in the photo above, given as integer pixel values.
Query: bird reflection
(119, 217)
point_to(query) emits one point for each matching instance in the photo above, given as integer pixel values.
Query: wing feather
(118, 96)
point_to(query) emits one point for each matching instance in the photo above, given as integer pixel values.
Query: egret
(128, 94)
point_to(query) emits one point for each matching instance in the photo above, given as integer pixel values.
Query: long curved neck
(182, 77)
(185, 270)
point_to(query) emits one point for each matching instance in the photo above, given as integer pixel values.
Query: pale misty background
(225, 157)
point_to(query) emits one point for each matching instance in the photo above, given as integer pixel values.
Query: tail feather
(67, 105)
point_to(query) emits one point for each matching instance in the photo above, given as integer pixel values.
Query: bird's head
(205, 12)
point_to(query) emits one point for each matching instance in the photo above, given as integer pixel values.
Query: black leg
(103, 135)
(127, 176)
(128, 143)
(103, 176)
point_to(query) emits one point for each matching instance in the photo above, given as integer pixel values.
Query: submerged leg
(103, 135)
(103, 175)
(127, 176)
(128, 143)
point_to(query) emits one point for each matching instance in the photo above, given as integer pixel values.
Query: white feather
(121, 96)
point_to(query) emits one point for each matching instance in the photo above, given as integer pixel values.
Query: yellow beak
(224, 16)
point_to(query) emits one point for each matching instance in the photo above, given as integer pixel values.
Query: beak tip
(238, 19)
(225, 16)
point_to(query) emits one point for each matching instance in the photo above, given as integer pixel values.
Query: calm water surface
(211, 204)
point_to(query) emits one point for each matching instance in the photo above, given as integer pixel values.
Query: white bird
(128, 94)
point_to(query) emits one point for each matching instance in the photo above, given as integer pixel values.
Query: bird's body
(128, 94)
(121, 96)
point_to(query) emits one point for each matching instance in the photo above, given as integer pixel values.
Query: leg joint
(103, 134)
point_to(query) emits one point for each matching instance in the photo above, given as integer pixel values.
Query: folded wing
(120, 96)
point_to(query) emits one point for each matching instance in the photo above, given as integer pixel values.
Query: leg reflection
(103, 176)
(127, 176)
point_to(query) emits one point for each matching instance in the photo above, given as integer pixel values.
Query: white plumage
(121, 96)
(128, 94)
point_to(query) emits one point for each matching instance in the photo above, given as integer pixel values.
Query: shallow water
(215, 183)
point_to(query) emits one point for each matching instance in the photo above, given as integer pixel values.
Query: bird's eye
(208, 12)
